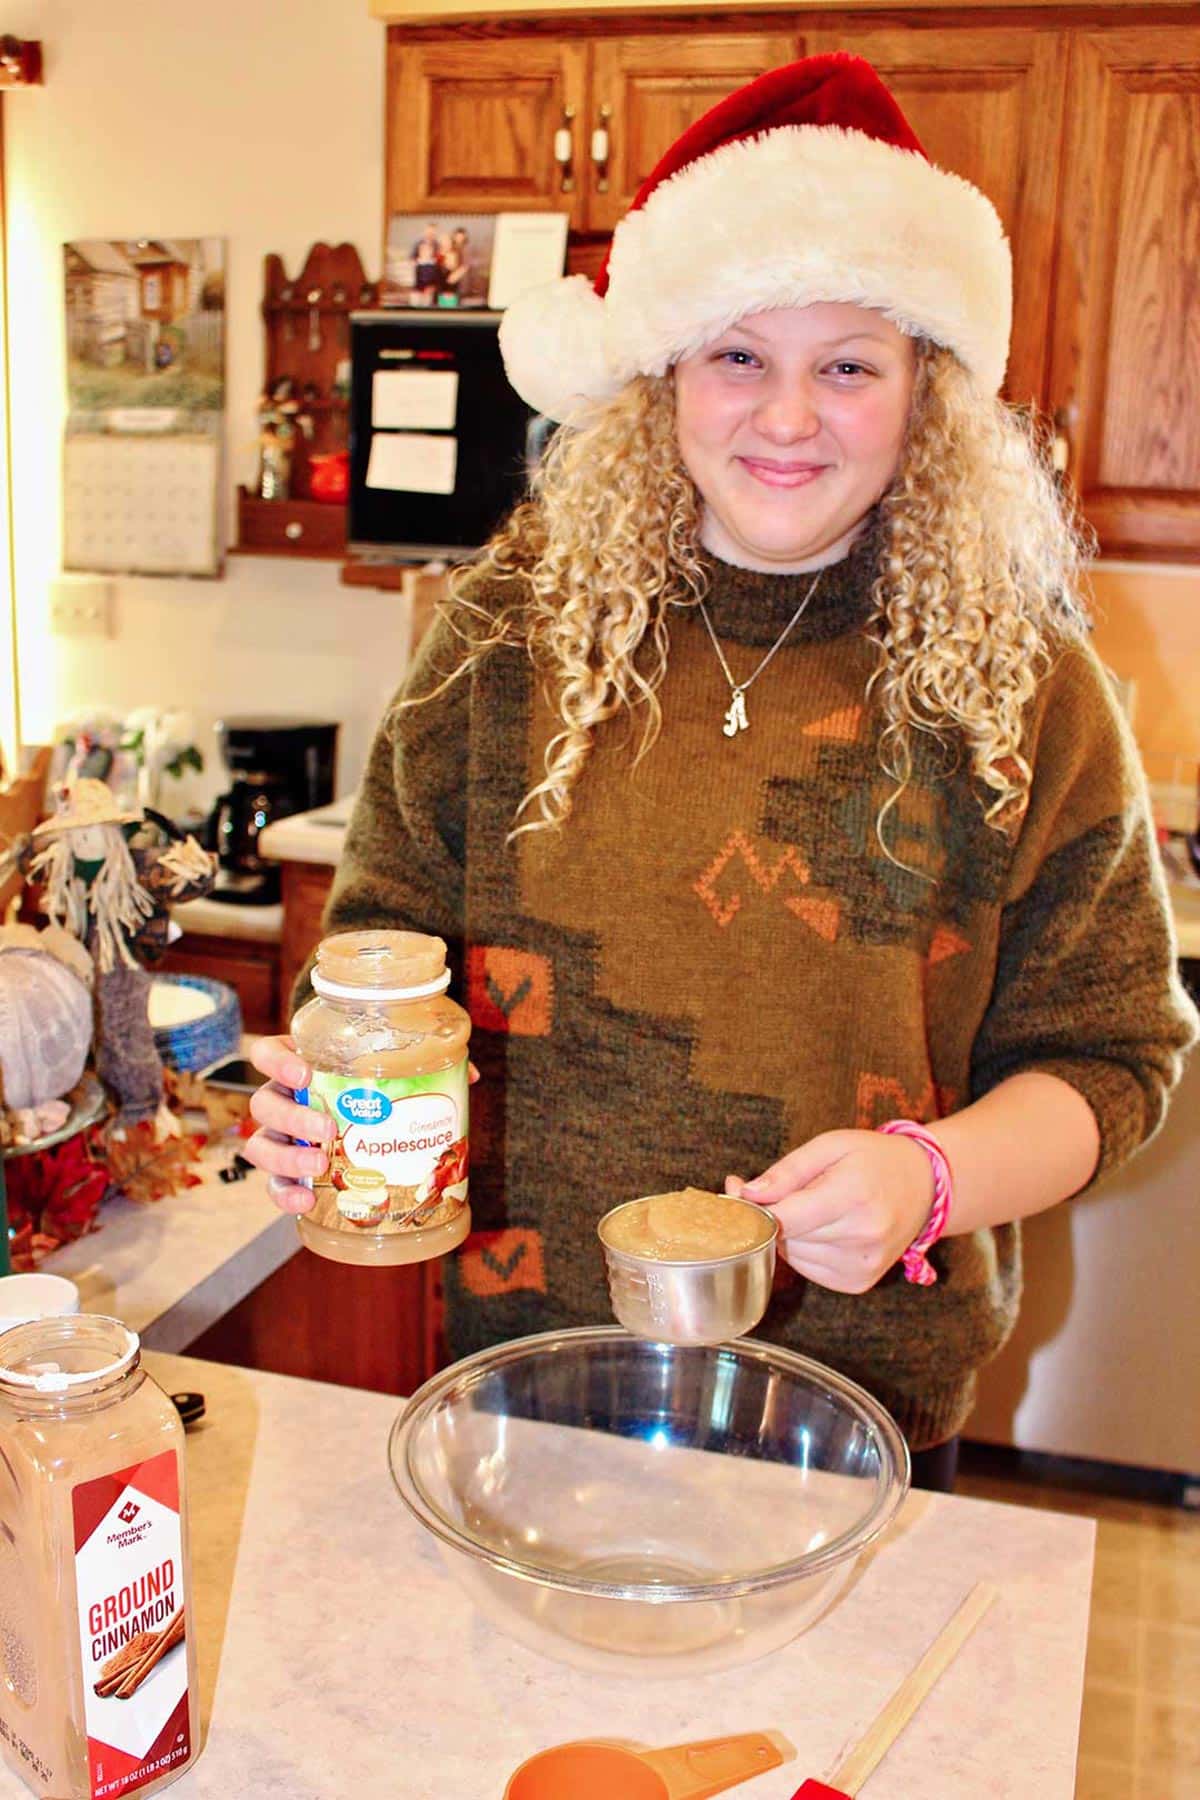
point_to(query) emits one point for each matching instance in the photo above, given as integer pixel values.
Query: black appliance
(492, 438)
(277, 765)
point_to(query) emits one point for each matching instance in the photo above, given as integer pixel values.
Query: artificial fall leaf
(53, 1197)
(223, 1109)
(142, 1168)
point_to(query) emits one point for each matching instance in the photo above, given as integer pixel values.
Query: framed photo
(438, 260)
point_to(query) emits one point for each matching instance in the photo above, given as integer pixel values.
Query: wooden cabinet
(645, 91)
(250, 968)
(1085, 136)
(472, 126)
(1124, 378)
(305, 890)
(326, 1321)
(562, 124)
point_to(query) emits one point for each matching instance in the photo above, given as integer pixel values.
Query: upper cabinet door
(987, 102)
(646, 91)
(1125, 374)
(498, 127)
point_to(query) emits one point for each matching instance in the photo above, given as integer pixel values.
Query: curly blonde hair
(978, 581)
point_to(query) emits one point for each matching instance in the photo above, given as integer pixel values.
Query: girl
(763, 779)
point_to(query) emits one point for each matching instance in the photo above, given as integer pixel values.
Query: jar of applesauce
(388, 1051)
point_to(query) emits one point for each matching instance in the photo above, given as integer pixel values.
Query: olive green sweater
(714, 960)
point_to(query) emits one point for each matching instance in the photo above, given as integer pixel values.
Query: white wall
(260, 121)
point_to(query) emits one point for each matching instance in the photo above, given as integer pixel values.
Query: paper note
(529, 248)
(421, 399)
(412, 462)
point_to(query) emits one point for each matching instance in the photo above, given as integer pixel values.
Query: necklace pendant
(735, 718)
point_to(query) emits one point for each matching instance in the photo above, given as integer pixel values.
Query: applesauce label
(399, 1159)
(132, 1625)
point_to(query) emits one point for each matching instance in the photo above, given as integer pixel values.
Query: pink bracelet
(917, 1266)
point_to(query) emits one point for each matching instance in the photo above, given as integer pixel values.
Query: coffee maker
(277, 765)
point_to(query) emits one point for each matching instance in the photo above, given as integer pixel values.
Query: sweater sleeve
(1087, 985)
(403, 863)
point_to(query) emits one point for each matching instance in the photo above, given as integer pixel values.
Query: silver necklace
(735, 717)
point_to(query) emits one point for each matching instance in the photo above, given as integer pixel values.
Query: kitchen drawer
(290, 527)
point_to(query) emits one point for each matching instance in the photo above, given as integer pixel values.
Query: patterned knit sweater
(713, 960)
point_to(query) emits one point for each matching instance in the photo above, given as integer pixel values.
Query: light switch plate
(82, 607)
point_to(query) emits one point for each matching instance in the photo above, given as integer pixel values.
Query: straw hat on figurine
(87, 802)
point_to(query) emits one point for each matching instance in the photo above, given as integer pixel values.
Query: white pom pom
(552, 342)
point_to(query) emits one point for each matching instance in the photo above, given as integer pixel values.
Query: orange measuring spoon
(601, 1768)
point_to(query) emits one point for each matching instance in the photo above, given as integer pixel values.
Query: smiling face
(791, 425)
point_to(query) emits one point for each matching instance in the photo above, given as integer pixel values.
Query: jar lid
(35, 1295)
(59, 1356)
(340, 990)
(379, 964)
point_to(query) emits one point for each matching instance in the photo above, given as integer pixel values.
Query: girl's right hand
(274, 1147)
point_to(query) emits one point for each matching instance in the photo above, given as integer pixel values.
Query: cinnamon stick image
(120, 1664)
(126, 1681)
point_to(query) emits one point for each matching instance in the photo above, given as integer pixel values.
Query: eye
(737, 359)
(848, 369)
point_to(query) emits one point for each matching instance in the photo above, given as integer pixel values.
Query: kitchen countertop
(171, 1268)
(337, 1656)
(311, 837)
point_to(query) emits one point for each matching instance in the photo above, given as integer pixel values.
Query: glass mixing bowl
(646, 1508)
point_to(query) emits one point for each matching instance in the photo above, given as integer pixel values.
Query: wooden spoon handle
(871, 1749)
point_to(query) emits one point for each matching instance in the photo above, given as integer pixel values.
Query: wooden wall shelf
(290, 527)
(306, 323)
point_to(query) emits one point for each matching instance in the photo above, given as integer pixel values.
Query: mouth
(782, 474)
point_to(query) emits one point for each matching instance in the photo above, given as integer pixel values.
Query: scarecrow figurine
(114, 896)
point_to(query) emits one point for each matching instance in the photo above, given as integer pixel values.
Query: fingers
(276, 1058)
(472, 1074)
(274, 1107)
(795, 1170)
(287, 1197)
(279, 1154)
(827, 1267)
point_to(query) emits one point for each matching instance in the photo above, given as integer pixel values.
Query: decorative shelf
(306, 323)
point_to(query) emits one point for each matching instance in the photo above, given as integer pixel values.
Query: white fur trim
(808, 213)
(552, 342)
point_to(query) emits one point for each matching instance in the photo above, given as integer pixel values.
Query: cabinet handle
(601, 149)
(293, 530)
(564, 151)
(1060, 443)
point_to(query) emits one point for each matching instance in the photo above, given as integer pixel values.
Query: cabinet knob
(564, 151)
(602, 149)
(293, 530)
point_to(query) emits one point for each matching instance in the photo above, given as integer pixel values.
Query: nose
(787, 410)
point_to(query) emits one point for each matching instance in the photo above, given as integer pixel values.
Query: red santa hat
(806, 185)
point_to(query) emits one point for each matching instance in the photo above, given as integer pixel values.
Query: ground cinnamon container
(388, 1050)
(98, 1694)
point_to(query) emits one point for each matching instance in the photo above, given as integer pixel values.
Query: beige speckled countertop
(337, 1657)
(173, 1267)
(312, 837)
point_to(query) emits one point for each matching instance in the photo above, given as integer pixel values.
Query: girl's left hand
(849, 1204)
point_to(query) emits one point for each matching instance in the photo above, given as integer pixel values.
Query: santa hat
(806, 185)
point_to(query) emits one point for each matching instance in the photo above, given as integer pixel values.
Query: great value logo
(364, 1106)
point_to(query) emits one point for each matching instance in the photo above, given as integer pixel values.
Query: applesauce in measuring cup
(388, 1050)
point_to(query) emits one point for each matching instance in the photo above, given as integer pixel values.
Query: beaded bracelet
(917, 1266)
